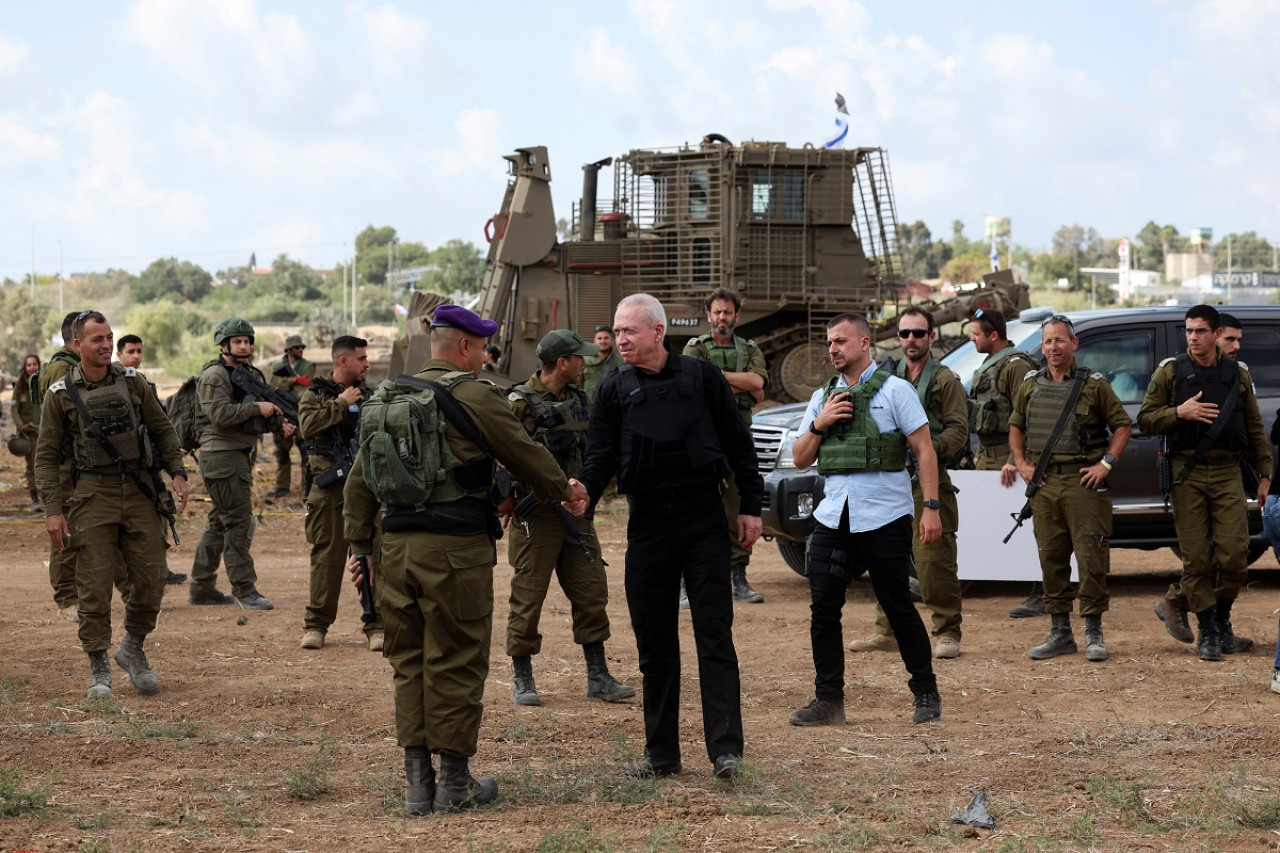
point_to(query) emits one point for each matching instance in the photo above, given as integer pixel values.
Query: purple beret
(457, 317)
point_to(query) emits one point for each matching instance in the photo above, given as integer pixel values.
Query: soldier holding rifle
(1058, 437)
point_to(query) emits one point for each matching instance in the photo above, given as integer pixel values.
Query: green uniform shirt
(60, 424)
(289, 381)
(227, 424)
(598, 368)
(520, 406)
(1097, 404)
(1159, 414)
(946, 404)
(726, 358)
(527, 461)
(320, 412)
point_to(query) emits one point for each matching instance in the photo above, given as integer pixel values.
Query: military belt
(104, 477)
(1213, 461)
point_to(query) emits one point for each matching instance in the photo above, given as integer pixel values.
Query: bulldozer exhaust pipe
(590, 185)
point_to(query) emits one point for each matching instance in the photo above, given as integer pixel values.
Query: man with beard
(554, 411)
(743, 366)
(603, 363)
(943, 399)
(1072, 508)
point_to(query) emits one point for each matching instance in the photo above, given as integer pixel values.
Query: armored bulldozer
(802, 234)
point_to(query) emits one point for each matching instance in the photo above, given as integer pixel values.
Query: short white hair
(650, 308)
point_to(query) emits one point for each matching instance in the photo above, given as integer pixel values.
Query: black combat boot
(1095, 648)
(457, 789)
(99, 674)
(600, 684)
(1059, 642)
(1227, 638)
(132, 659)
(523, 690)
(1210, 645)
(742, 591)
(419, 781)
(1032, 606)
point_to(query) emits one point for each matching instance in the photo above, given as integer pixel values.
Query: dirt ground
(254, 744)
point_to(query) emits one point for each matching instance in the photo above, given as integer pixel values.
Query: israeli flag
(836, 140)
(995, 258)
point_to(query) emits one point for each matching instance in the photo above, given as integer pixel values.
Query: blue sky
(210, 130)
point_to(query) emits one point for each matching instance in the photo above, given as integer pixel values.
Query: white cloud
(12, 53)
(16, 136)
(477, 143)
(391, 34)
(600, 63)
(799, 62)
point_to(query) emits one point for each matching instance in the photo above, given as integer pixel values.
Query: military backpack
(184, 412)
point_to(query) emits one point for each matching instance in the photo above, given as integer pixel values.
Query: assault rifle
(248, 381)
(530, 502)
(1164, 470)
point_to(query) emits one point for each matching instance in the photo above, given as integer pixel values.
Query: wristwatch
(813, 429)
(933, 504)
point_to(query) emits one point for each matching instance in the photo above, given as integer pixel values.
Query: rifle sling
(1207, 441)
(1082, 374)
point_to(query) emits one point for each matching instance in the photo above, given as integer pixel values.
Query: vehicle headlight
(785, 459)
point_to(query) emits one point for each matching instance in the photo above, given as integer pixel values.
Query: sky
(210, 130)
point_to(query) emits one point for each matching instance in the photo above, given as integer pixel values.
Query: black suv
(1125, 345)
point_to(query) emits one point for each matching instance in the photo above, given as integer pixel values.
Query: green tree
(1082, 245)
(161, 325)
(1154, 243)
(171, 279)
(373, 247)
(916, 246)
(960, 244)
(457, 266)
(1248, 252)
(22, 325)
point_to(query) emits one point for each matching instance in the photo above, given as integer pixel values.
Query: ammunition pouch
(819, 560)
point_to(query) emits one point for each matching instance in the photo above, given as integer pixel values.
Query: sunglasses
(1060, 318)
(913, 333)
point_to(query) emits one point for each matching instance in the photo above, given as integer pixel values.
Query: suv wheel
(793, 555)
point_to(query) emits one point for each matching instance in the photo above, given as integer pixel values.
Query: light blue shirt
(874, 498)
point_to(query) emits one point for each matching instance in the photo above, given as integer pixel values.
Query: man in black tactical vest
(743, 366)
(554, 411)
(435, 578)
(990, 402)
(858, 428)
(943, 399)
(1058, 436)
(1206, 405)
(105, 420)
(328, 426)
(668, 426)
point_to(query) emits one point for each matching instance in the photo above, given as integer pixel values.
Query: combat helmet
(231, 328)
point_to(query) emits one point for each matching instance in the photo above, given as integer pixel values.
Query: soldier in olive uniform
(111, 512)
(328, 425)
(990, 402)
(24, 421)
(604, 362)
(1187, 397)
(292, 374)
(744, 368)
(554, 411)
(229, 430)
(1072, 509)
(62, 566)
(435, 579)
(943, 399)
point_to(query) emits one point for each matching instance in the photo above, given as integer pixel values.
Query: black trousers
(669, 536)
(833, 559)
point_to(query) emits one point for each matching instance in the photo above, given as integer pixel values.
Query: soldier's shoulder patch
(131, 371)
(1096, 375)
(1032, 374)
(1244, 365)
(514, 396)
(60, 385)
(753, 344)
(1170, 360)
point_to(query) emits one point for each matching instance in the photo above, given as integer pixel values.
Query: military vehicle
(802, 234)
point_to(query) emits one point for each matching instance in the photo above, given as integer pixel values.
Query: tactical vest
(856, 444)
(1215, 384)
(115, 408)
(559, 426)
(448, 489)
(990, 407)
(923, 387)
(667, 439)
(342, 433)
(721, 358)
(1080, 440)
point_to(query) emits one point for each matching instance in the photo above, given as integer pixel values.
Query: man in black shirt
(667, 425)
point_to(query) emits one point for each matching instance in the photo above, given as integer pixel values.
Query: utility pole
(353, 296)
(345, 268)
(33, 265)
